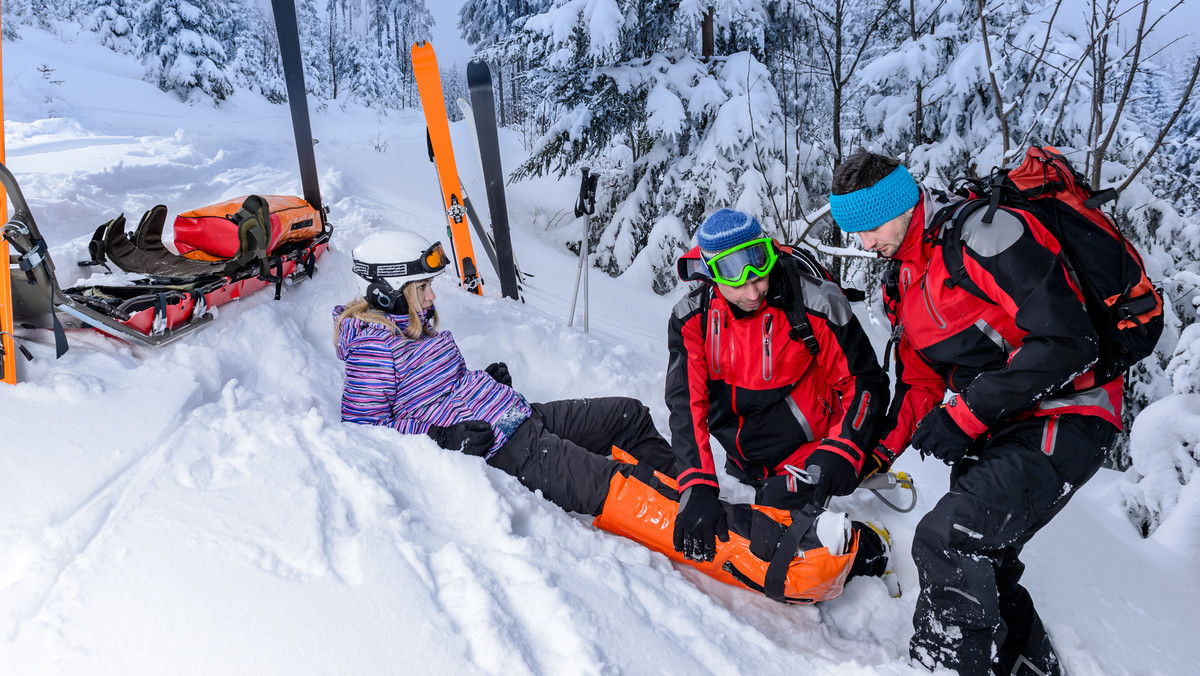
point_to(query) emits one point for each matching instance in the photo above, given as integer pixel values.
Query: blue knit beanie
(726, 229)
(871, 207)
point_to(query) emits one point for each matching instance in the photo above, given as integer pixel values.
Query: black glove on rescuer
(832, 475)
(499, 373)
(938, 435)
(473, 437)
(700, 521)
(877, 462)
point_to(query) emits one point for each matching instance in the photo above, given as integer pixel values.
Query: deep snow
(200, 508)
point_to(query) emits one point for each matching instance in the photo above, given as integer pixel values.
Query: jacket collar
(913, 248)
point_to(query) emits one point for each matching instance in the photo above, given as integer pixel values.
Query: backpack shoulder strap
(950, 241)
(799, 328)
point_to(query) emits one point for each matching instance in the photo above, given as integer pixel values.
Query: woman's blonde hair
(361, 310)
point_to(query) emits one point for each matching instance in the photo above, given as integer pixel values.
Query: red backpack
(1124, 305)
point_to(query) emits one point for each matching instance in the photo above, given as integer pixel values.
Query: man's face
(885, 240)
(749, 296)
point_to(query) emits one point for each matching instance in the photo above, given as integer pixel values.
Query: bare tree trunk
(919, 90)
(707, 47)
(333, 72)
(1099, 82)
(835, 234)
(987, 52)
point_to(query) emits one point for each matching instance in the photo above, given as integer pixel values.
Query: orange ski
(8, 351)
(433, 101)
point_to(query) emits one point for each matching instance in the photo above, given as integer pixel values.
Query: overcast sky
(450, 47)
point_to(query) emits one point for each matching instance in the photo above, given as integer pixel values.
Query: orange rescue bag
(210, 233)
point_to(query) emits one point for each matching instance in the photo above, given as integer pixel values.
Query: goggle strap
(421, 265)
(376, 270)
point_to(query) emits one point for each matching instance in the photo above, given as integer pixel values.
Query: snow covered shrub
(1159, 493)
(1184, 369)
(182, 51)
(675, 136)
(114, 22)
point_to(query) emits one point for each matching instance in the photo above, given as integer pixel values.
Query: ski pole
(583, 254)
(585, 206)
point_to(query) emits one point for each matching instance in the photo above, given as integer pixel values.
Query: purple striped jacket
(412, 384)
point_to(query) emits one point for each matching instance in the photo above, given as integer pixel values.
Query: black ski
(479, 82)
(288, 30)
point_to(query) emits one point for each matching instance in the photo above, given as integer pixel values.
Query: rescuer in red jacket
(771, 361)
(1027, 423)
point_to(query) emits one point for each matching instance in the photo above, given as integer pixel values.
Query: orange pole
(7, 345)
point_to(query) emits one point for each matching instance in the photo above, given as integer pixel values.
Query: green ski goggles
(733, 267)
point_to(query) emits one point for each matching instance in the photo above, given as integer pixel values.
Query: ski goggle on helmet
(734, 266)
(387, 261)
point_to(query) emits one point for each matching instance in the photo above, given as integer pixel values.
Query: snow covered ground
(200, 508)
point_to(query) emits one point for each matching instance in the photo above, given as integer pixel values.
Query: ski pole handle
(586, 204)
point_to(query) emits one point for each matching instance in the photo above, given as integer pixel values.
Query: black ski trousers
(966, 548)
(562, 449)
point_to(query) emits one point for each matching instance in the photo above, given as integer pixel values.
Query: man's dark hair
(861, 170)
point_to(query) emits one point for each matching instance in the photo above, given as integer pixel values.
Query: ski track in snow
(156, 503)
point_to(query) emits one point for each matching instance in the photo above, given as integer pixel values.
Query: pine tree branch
(866, 39)
(920, 28)
(840, 251)
(1041, 54)
(1067, 91)
(757, 151)
(810, 220)
(1187, 93)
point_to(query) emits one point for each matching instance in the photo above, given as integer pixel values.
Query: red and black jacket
(1024, 350)
(765, 396)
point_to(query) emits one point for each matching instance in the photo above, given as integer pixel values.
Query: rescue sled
(166, 295)
(222, 252)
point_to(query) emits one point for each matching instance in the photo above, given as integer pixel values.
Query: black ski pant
(966, 548)
(562, 449)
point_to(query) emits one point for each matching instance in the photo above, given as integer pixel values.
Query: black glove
(700, 518)
(877, 462)
(938, 435)
(832, 475)
(499, 373)
(473, 437)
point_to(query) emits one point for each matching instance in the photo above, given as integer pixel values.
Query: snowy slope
(200, 508)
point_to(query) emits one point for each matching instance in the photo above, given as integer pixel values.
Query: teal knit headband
(871, 207)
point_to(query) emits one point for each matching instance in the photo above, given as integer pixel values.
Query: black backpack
(1124, 305)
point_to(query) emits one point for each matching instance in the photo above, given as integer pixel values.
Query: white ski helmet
(388, 260)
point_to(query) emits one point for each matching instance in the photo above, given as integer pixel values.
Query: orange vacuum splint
(771, 551)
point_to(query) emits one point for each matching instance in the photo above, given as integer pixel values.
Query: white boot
(833, 530)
